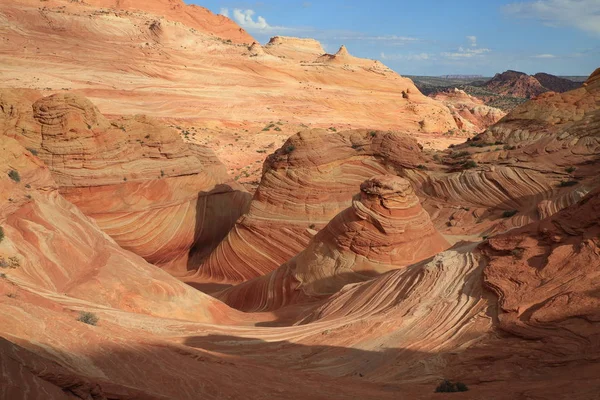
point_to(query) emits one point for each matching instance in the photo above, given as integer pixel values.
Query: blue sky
(427, 37)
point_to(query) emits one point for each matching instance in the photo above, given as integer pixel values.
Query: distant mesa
(519, 84)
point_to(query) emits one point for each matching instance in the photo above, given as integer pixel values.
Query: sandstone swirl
(385, 228)
(52, 249)
(166, 200)
(305, 183)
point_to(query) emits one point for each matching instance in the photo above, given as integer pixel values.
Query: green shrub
(570, 170)
(87, 318)
(469, 164)
(32, 151)
(289, 148)
(459, 154)
(508, 214)
(567, 183)
(422, 167)
(373, 133)
(450, 387)
(1, 234)
(14, 175)
(508, 147)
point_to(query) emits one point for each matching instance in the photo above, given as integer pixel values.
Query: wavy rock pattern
(59, 250)
(547, 276)
(305, 183)
(163, 199)
(385, 228)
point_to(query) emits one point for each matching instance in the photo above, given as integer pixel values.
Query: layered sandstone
(56, 249)
(305, 183)
(470, 113)
(166, 200)
(385, 228)
(164, 59)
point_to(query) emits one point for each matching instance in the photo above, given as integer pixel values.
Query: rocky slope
(519, 84)
(133, 57)
(469, 112)
(515, 84)
(167, 201)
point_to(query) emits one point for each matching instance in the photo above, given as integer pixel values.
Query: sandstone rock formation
(305, 183)
(385, 228)
(56, 249)
(164, 59)
(470, 113)
(161, 198)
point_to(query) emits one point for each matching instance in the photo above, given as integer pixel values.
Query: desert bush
(289, 148)
(469, 164)
(508, 214)
(570, 170)
(459, 154)
(14, 175)
(422, 167)
(567, 183)
(88, 318)
(32, 151)
(447, 386)
(1, 234)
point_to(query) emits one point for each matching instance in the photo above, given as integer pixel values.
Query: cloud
(466, 53)
(544, 56)
(245, 18)
(224, 12)
(407, 57)
(472, 40)
(580, 14)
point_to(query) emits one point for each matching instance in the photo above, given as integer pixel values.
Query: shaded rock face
(305, 183)
(384, 229)
(555, 83)
(163, 199)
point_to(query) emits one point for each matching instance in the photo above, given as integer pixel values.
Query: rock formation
(161, 198)
(305, 183)
(54, 248)
(556, 84)
(470, 113)
(515, 84)
(385, 228)
(164, 59)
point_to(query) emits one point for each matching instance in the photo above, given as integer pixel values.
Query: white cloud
(544, 56)
(407, 57)
(466, 53)
(580, 14)
(245, 18)
(472, 40)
